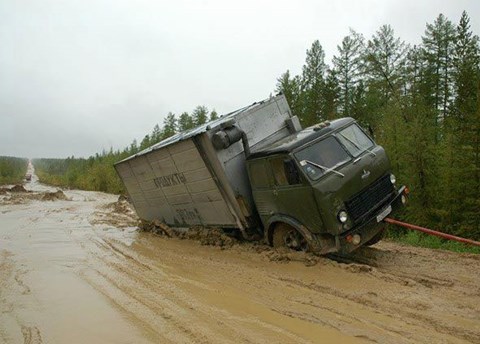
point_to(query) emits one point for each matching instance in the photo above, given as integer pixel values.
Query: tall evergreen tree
(460, 131)
(385, 65)
(185, 122)
(156, 135)
(169, 126)
(385, 62)
(133, 147)
(213, 115)
(330, 94)
(145, 142)
(200, 115)
(348, 66)
(313, 83)
(291, 88)
(420, 157)
(438, 47)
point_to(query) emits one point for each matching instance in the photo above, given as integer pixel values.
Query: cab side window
(284, 171)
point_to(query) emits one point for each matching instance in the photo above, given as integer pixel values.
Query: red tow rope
(432, 232)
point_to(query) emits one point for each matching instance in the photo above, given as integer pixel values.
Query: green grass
(418, 239)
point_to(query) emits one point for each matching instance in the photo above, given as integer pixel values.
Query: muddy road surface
(75, 269)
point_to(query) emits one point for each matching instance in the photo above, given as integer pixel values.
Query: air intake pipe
(225, 137)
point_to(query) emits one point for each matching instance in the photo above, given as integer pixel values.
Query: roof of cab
(301, 138)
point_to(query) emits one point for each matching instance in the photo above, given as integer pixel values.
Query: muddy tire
(285, 236)
(376, 238)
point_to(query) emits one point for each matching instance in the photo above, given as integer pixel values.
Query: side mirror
(291, 172)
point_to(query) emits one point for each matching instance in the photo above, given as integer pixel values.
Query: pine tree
(348, 66)
(145, 142)
(200, 115)
(385, 62)
(420, 153)
(330, 95)
(313, 83)
(156, 134)
(460, 131)
(169, 126)
(438, 47)
(213, 115)
(133, 147)
(185, 122)
(291, 88)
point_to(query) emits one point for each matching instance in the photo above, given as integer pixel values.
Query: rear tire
(288, 237)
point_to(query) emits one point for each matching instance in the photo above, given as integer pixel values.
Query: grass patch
(418, 239)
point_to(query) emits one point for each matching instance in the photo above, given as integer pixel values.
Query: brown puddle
(76, 270)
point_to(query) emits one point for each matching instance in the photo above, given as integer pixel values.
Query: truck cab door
(293, 195)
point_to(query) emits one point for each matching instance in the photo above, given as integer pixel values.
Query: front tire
(285, 236)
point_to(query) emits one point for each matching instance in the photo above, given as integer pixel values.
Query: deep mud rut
(77, 270)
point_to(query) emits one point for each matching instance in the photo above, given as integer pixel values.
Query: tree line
(97, 173)
(12, 170)
(421, 102)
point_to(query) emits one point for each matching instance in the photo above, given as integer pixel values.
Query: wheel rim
(295, 241)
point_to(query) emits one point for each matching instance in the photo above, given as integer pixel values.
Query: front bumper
(370, 228)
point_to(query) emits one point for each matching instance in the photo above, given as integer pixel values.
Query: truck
(257, 172)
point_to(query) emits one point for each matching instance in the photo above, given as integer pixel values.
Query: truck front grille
(370, 198)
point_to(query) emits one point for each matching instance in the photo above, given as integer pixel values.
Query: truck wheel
(376, 238)
(287, 236)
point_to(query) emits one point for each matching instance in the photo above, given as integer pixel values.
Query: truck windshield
(355, 140)
(322, 157)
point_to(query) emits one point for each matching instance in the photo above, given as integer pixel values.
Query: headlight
(342, 216)
(393, 179)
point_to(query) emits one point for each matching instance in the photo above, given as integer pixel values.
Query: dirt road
(76, 270)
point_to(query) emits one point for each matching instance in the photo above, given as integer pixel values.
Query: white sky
(80, 76)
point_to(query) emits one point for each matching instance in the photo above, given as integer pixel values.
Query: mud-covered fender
(279, 218)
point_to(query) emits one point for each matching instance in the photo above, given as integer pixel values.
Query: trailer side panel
(174, 185)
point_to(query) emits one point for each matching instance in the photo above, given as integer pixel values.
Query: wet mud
(78, 270)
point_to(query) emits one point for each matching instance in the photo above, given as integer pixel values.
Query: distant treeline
(422, 103)
(97, 172)
(12, 170)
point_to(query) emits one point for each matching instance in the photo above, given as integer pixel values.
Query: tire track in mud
(409, 316)
(355, 316)
(388, 306)
(162, 295)
(12, 283)
(399, 306)
(7, 307)
(189, 302)
(31, 335)
(25, 289)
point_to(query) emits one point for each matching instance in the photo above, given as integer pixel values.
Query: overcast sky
(80, 76)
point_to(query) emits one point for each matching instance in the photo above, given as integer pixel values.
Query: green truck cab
(326, 188)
